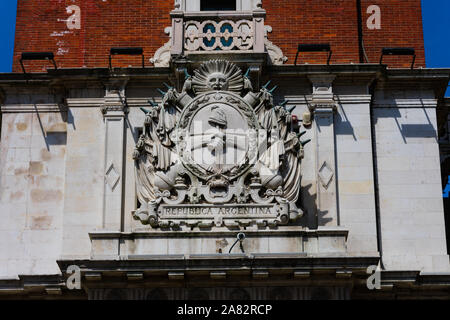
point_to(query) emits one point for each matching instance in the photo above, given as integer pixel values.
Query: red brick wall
(320, 21)
(41, 26)
(104, 24)
(335, 22)
(401, 26)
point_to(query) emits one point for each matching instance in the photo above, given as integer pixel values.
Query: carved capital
(109, 111)
(322, 95)
(323, 109)
(115, 99)
(322, 85)
(114, 87)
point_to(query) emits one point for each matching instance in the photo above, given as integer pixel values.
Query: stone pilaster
(323, 108)
(258, 20)
(114, 112)
(177, 32)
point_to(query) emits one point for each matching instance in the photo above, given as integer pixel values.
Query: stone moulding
(145, 232)
(289, 241)
(33, 108)
(412, 283)
(189, 264)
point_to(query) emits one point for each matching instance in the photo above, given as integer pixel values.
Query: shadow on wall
(68, 117)
(55, 138)
(343, 124)
(445, 169)
(307, 201)
(419, 130)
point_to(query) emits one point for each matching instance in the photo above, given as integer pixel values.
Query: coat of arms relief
(218, 155)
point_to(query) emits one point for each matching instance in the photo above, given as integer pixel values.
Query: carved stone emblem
(218, 154)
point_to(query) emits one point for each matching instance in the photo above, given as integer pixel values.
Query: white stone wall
(52, 178)
(354, 174)
(84, 180)
(47, 211)
(410, 191)
(32, 166)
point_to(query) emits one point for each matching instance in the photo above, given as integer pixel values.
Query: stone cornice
(338, 98)
(43, 284)
(348, 74)
(84, 74)
(229, 263)
(100, 102)
(85, 102)
(424, 73)
(341, 70)
(299, 101)
(143, 101)
(405, 103)
(33, 108)
(347, 269)
(321, 69)
(352, 99)
(146, 233)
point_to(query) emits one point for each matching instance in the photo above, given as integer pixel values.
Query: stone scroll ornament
(218, 155)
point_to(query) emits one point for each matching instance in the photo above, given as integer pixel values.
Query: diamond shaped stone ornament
(112, 177)
(325, 175)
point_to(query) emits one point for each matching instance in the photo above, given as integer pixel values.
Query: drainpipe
(375, 175)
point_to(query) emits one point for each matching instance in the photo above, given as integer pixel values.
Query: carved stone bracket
(276, 55)
(162, 55)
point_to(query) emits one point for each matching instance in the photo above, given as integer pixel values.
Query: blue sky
(436, 21)
(7, 26)
(436, 29)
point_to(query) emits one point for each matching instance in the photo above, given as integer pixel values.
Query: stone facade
(94, 173)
